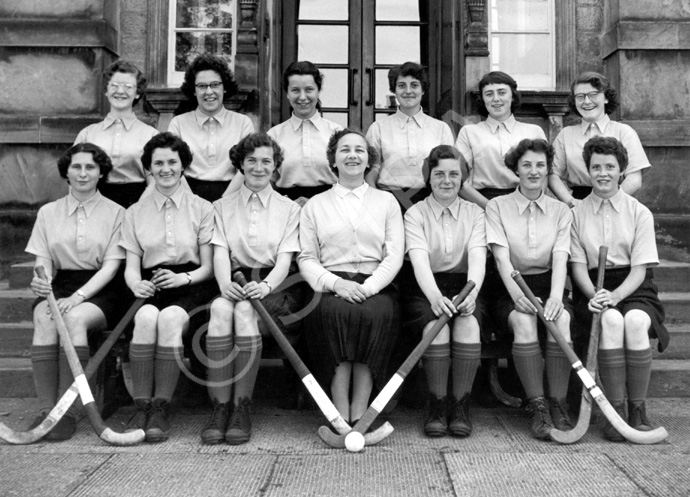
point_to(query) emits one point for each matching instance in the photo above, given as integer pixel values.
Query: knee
(637, 325)
(443, 336)
(466, 329)
(145, 323)
(612, 329)
(524, 327)
(221, 317)
(45, 332)
(245, 319)
(172, 322)
(76, 324)
(563, 325)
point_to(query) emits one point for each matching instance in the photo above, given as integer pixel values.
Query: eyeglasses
(127, 87)
(580, 97)
(204, 86)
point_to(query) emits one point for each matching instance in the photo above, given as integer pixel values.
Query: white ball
(354, 441)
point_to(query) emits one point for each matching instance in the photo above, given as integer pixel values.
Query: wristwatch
(189, 278)
(81, 293)
(270, 288)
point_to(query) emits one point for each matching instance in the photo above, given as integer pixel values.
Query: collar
(616, 200)
(176, 197)
(297, 122)
(127, 122)
(264, 195)
(359, 192)
(523, 202)
(403, 118)
(437, 209)
(508, 124)
(89, 205)
(601, 124)
(202, 118)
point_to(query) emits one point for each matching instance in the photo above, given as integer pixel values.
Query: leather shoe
(541, 418)
(459, 420)
(610, 433)
(436, 424)
(63, 430)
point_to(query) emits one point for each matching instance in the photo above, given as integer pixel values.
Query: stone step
(15, 339)
(15, 304)
(679, 348)
(671, 276)
(677, 306)
(21, 274)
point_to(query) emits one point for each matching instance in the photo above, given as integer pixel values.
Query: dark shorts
(581, 192)
(645, 298)
(295, 192)
(407, 197)
(491, 193)
(124, 194)
(208, 190)
(189, 297)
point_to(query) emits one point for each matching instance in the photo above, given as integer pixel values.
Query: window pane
(525, 57)
(189, 45)
(337, 117)
(322, 44)
(204, 13)
(323, 10)
(384, 98)
(334, 88)
(520, 15)
(397, 44)
(397, 10)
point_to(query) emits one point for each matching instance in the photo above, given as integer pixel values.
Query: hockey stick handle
(595, 331)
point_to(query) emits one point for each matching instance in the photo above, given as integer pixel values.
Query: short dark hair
(167, 140)
(437, 154)
(302, 68)
(605, 145)
(127, 68)
(413, 69)
(601, 83)
(208, 62)
(497, 78)
(373, 156)
(101, 159)
(537, 145)
(250, 143)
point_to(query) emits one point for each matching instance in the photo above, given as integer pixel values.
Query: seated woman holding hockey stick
(75, 239)
(530, 232)
(445, 239)
(352, 240)
(256, 232)
(631, 312)
(167, 237)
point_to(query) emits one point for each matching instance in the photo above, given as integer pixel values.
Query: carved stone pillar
(477, 39)
(247, 58)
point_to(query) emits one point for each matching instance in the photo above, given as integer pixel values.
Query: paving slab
(662, 476)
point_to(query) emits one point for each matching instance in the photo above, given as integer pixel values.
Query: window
(198, 26)
(522, 41)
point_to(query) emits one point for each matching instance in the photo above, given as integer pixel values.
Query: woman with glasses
(593, 98)
(210, 130)
(121, 134)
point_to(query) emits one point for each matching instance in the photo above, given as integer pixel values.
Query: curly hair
(250, 143)
(125, 67)
(601, 83)
(332, 146)
(101, 159)
(208, 62)
(497, 78)
(537, 145)
(167, 140)
(302, 68)
(605, 145)
(412, 69)
(437, 154)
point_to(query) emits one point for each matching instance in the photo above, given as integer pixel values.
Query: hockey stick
(99, 426)
(68, 398)
(315, 390)
(396, 380)
(572, 436)
(633, 435)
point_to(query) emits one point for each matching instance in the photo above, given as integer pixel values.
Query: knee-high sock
(530, 368)
(246, 365)
(166, 371)
(612, 373)
(465, 359)
(66, 376)
(639, 368)
(141, 360)
(436, 361)
(557, 370)
(218, 350)
(44, 361)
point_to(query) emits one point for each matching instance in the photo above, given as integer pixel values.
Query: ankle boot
(214, 430)
(637, 416)
(140, 417)
(610, 433)
(436, 424)
(240, 426)
(559, 414)
(158, 425)
(541, 418)
(459, 421)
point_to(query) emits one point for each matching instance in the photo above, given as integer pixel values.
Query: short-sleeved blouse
(78, 235)
(168, 230)
(256, 227)
(532, 230)
(447, 234)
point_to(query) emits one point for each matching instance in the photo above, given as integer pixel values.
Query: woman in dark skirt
(256, 232)
(76, 240)
(352, 240)
(631, 312)
(530, 232)
(167, 237)
(445, 239)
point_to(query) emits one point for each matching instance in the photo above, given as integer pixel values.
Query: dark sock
(465, 359)
(141, 358)
(246, 365)
(44, 361)
(639, 368)
(436, 361)
(218, 349)
(166, 371)
(612, 373)
(530, 368)
(557, 370)
(66, 376)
